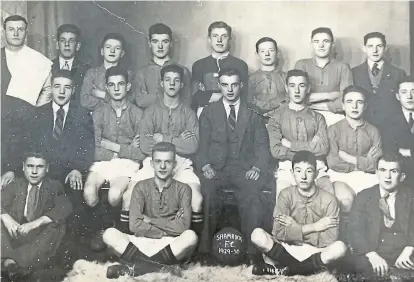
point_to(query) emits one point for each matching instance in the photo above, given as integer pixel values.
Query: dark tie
(32, 202)
(66, 66)
(58, 129)
(411, 122)
(232, 118)
(383, 204)
(375, 70)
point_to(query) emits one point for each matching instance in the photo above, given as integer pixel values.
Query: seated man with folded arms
(296, 127)
(381, 226)
(306, 226)
(328, 77)
(170, 120)
(93, 92)
(33, 213)
(160, 220)
(267, 85)
(354, 144)
(147, 80)
(117, 152)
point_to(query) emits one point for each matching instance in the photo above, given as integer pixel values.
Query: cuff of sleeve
(123, 151)
(295, 233)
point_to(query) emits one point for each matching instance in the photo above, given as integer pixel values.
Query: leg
(333, 252)
(262, 240)
(345, 195)
(183, 246)
(116, 240)
(93, 183)
(118, 187)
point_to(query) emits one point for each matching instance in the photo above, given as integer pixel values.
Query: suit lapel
(21, 199)
(70, 118)
(386, 74)
(375, 211)
(366, 80)
(402, 209)
(242, 121)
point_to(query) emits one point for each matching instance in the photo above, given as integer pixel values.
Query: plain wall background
(290, 23)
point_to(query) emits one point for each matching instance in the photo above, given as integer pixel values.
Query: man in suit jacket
(33, 213)
(68, 44)
(379, 78)
(233, 150)
(381, 224)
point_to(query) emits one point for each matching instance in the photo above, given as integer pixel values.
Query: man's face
(117, 87)
(219, 40)
(354, 105)
(322, 44)
(171, 83)
(35, 170)
(15, 33)
(390, 175)
(112, 51)
(267, 53)
(230, 87)
(62, 90)
(298, 88)
(406, 95)
(305, 175)
(375, 49)
(160, 45)
(68, 45)
(163, 164)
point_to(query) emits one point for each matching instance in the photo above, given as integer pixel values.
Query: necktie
(383, 204)
(32, 202)
(66, 66)
(232, 118)
(375, 70)
(58, 129)
(411, 122)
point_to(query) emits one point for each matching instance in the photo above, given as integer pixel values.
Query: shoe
(114, 271)
(97, 243)
(140, 268)
(266, 269)
(15, 272)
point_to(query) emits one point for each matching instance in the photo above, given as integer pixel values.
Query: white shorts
(331, 118)
(183, 172)
(150, 246)
(357, 180)
(300, 253)
(115, 168)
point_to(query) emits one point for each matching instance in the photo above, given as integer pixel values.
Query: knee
(114, 196)
(90, 197)
(110, 236)
(258, 237)
(339, 249)
(196, 197)
(190, 237)
(345, 195)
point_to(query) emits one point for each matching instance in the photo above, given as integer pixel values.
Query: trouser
(247, 194)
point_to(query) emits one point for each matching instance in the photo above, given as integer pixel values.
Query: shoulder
(340, 65)
(303, 62)
(368, 193)
(200, 62)
(142, 186)
(93, 71)
(371, 128)
(329, 197)
(181, 187)
(288, 192)
(52, 184)
(360, 67)
(135, 110)
(334, 127)
(394, 69)
(238, 60)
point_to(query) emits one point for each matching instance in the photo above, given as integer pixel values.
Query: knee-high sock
(165, 256)
(197, 223)
(123, 225)
(309, 266)
(133, 254)
(280, 255)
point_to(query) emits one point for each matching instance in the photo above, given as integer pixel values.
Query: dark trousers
(36, 248)
(247, 194)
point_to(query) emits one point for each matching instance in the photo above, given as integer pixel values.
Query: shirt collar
(63, 60)
(56, 107)
(156, 186)
(166, 63)
(371, 64)
(30, 185)
(316, 65)
(227, 104)
(127, 104)
(406, 114)
(308, 199)
(220, 56)
(391, 194)
(359, 126)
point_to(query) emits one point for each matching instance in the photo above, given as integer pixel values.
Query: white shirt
(12, 60)
(56, 107)
(371, 64)
(62, 62)
(407, 114)
(29, 187)
(390, 200)
(227, 107)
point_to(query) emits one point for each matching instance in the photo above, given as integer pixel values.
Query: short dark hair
(304, 156)
(390, 158)
(164, 147)
(69, 28)
(296, 72)
(375, 34)
(14, 18)
(160, 28)
(172, 68)
(116, 70)
(355, 88)
(407, 78)
(219, 24)
(115, 36)
(39, 154)
(229, 72)
(326, 30)
(62, 73)
(265, 39)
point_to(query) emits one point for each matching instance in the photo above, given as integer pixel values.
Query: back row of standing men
(298, 107)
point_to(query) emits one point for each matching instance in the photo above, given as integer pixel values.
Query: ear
(102, 53)
(152, 163)
(128, 86)
(343, 106)
(107, 88)
(57, 45)
(161, 84)
(385, 48)
(47, 168)
(316, 173)
(402, 177)
(397, 95)
(181, 85)
(78, 45)
(122, 53)
(364, 48)
(241, 84)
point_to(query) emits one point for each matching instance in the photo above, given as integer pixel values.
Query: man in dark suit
(68, 44)
(381, 224)
(33, 213)
(233, 150)
(379, 78)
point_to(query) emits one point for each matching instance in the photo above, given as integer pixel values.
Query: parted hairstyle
(116, 70)
(390, 158)
(69, 28)
(355, 88)
(265, 39)
(304, 156)
(229, 72)
(375, 34)
(219, 24)
(39, 154)
(62, 73)
(159, 28)
(14, 18)
(115, 36)
(164, 147)
(326, 30)
(172, 68)
(296, 72)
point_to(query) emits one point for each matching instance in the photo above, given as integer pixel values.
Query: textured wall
(290, 23)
